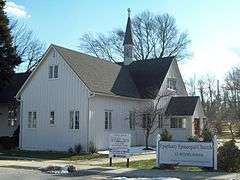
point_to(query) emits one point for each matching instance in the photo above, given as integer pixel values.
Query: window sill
(52, 79)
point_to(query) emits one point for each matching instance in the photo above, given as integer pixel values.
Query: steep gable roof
(182, 106)
(99, 75)
(149, 75)
(8, 93)
(141, 79)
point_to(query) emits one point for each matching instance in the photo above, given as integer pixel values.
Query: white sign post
(203, 154)
(119, 146)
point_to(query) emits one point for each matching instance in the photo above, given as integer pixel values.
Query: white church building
(73, 98)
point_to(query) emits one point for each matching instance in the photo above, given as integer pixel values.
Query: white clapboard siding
(120, 108)
(61, 95)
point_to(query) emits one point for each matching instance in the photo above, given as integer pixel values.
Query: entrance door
(196, 126)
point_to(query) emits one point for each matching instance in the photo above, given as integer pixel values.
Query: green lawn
(150, 164)
(45, 155)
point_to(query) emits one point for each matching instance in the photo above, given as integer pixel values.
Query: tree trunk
(231, 130)
(146, 141)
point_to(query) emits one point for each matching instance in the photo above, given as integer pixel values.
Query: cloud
(18, 11)
(216, 61)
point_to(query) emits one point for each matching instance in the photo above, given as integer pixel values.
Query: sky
(213, 26)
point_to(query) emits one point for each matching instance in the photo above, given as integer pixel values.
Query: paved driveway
(7, 173)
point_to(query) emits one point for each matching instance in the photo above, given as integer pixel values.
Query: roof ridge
(87, 55)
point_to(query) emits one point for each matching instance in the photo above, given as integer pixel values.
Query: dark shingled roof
(99, 75)
(148, 75)
(140, 79)
(182, 106)
(8, 93)
(128, 33)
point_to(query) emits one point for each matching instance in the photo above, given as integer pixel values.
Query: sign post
(215, 152)
(157, 152)
(119, 146)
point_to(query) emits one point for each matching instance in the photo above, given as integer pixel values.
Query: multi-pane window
(53, 72)
(132, 120)
(160, 121)
(178, 122)
(52, 118)
(32, 119)
(12, 116)
(108, 119)
(171, 83)
(56, 71)
(74, 120)
(146, 120)
(50, 72)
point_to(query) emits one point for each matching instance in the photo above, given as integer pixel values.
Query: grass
(150, 164)
(48, 155)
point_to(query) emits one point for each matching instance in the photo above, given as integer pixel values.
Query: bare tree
(211, 98)
(191, 86)
(148, 116)
(154, 36)
(29, 48)
(232, 99)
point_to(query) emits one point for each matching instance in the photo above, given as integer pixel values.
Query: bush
(207, 135)
(165, 135)
(7, 143)
(78, 148)
(193, 139)
(92, 148)
(229, 157)
(70, 150)
(15, 136)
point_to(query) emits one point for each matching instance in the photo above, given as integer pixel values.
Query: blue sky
(213, 25)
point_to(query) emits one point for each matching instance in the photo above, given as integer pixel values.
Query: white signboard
(186, 153)
(119, 145)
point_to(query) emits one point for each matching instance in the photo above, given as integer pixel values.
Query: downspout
(91, 95)
(20, 122)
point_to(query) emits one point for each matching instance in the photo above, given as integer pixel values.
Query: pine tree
(8, 56)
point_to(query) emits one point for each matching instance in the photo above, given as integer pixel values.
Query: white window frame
(52, 118)
(132, 120)
(160, 121)
(77, 120)
(74, 119)
(12, 117)
(172, 83)
(180, 123)
(108, 119)
(55, 71)
(32, 119)
(52, 71)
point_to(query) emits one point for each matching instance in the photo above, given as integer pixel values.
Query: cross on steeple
(129, 12)
(128, 41)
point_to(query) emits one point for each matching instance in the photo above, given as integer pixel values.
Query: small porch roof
(182, 106)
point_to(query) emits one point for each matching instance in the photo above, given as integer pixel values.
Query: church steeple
(128, 42)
